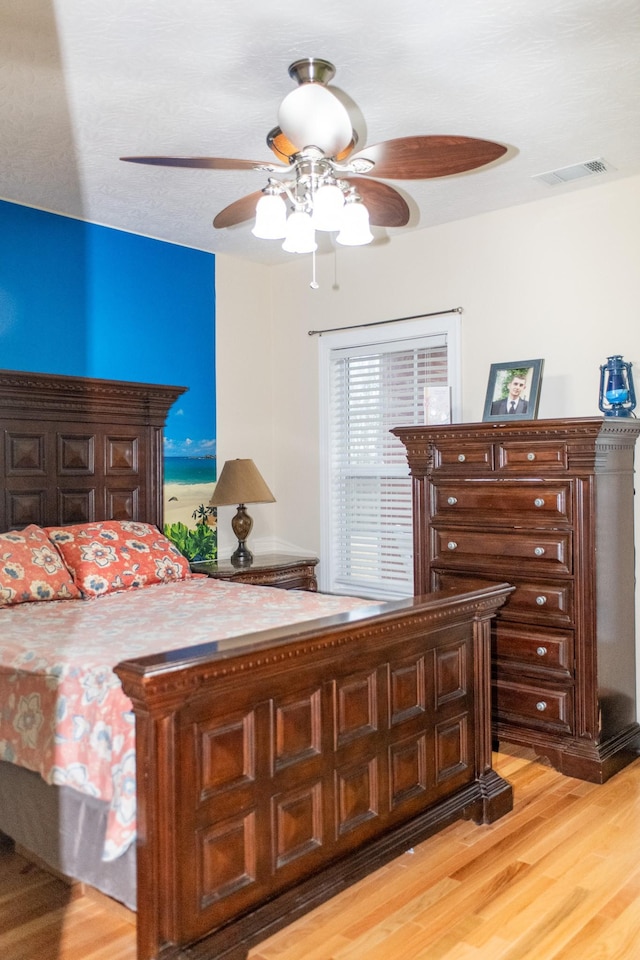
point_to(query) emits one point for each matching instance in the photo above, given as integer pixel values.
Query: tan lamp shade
(240, 482)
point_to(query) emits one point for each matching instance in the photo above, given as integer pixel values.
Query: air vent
(577, 171)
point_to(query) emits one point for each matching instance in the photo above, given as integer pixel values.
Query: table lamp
(240, 483)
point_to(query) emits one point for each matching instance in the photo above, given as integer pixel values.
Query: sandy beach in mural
(181, 499)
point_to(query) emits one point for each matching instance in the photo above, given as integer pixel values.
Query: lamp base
(242, 557)
(241, 525)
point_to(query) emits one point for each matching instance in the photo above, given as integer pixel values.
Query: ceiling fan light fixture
(355, 230)
(328, 207)
(271, 218)
(300, 236)
(312, 116)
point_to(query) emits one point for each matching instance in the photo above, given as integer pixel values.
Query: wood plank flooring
(557, 879)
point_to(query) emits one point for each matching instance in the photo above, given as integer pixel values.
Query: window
(371, 383)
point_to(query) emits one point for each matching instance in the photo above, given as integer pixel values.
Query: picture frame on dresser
(513, 390)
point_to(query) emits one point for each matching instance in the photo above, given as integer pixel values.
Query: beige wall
(558, 279)
(244, 386)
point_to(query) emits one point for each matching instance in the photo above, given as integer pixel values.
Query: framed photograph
(513, 390)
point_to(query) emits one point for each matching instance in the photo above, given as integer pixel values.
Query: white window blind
(371, 389)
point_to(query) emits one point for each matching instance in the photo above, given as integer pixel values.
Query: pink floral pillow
(114, 555)
(31, 568)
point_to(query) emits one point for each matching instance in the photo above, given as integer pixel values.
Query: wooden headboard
(78, 449)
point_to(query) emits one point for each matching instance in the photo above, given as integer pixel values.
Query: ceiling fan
(326, 185)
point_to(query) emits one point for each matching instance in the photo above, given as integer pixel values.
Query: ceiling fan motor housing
(312, 70)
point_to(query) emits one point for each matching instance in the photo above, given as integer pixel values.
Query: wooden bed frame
(273, 774)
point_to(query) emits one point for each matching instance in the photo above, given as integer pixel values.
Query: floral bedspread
(63, 712)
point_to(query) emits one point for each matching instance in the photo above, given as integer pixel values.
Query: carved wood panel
(452, 748)
(408, 769)
(77, 506)
(23, 508)
(76, 454)
(356, 706)
(226, 861)
(227, 755)
(357, 794)
(25, 454)
(298, 728)
(407, 691)
(297, 826)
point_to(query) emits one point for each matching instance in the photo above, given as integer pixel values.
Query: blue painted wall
(84, 300)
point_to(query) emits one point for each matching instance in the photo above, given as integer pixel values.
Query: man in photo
(513, 402)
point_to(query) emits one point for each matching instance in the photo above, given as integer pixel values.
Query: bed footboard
(273, 774)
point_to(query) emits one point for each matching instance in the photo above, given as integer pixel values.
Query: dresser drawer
(543, 552)
(536, 602)
(534, 705)
(530, 456)
(533, 650)
(539, 602)
(463, 457)
(500, 500)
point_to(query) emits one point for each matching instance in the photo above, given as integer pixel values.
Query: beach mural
(126, 307)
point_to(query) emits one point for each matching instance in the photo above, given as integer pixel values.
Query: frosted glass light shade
(355, 226)
(271, 218)
(328, 208)
(300, 236)
(312, 116)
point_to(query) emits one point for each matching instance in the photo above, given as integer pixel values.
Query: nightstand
(283, 570)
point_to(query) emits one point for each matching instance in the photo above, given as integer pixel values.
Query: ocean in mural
(190, 470)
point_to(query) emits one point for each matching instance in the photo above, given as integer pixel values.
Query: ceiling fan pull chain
(314, 284)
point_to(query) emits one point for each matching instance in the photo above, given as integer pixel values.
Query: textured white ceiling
(83, 82)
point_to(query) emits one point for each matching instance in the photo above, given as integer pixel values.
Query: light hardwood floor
(557, 879)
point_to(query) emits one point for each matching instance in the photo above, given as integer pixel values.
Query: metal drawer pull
(541, 705)
(539, 551)
(541, 600)
(452, 501)
(541, 651)
(461, 457)
(538, 502)
(452, 545)
(531, 456)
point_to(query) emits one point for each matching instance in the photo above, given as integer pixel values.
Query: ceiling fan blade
(422, 158)
(207, 163)
(238, 211)
(387, 208)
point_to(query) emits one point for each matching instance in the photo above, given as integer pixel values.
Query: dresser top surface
(626, 428)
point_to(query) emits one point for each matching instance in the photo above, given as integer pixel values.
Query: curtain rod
(377, 323)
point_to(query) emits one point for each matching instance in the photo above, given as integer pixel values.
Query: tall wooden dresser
(546, 505)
